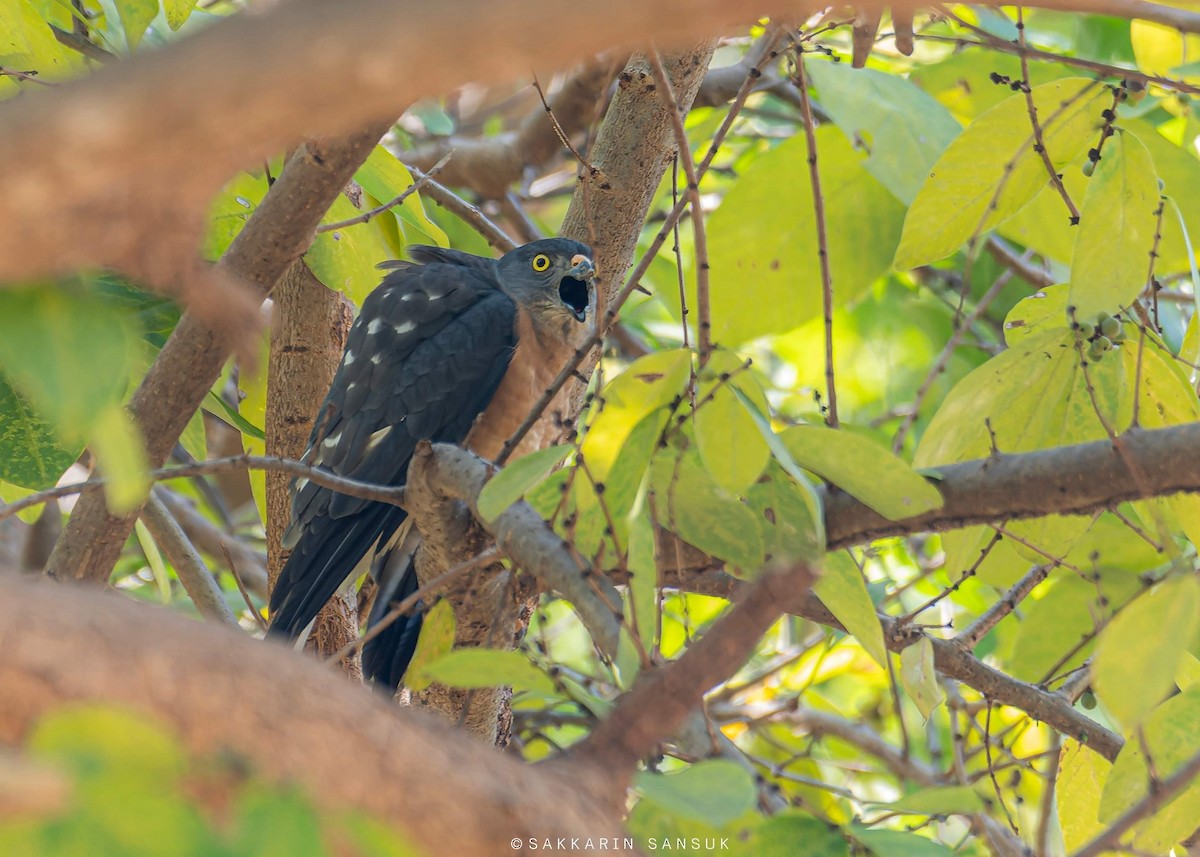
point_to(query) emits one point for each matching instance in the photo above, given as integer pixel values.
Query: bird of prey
(450, 348)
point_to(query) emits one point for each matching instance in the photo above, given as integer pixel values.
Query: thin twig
(988, 620)
(465, 211)
(380, 209)
(814, 177)
(703, 313)
(237, 578)
(324, 478)
(1039, 142)
(558, 129)
(29, 76)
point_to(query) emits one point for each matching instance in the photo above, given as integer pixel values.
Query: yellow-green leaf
(1081, 777)
(1172, 735)
(765, 279)
(841, 588)
(1116, 231)
(729, 441)
(1139, 652)
(649, 383)
(471, 668)
(435, 640)
(864, 469)
(517, 477)
(919, 678)
(991, 170)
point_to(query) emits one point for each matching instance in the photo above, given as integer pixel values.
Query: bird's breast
(534, 366)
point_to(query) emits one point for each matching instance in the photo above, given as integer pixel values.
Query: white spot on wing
(378, 437)
(406, 327)
(375, 326)
(348, 359)
(376, 359)
(409, 296)
(301, 484)
(331, 441)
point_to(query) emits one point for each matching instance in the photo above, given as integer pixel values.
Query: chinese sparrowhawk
(450, 348)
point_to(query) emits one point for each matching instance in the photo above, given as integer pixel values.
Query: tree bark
(308, 335)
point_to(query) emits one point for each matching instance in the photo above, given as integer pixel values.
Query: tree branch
(222, 691)
(661, 699)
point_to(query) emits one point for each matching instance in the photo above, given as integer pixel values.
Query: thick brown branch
(661, 699)
(224, 692)
(1068, 480)
(522, 535)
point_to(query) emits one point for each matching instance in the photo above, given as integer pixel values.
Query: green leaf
(1135, 661)
(808, 493)
(755, 266)
(692, 505)
(1172, 735)
(177, 12)
(31, 454)
(1043, 310)
(470, 668)
(229, 212)
(727, 436)
(1081, 777)
(790, 833)
(90, 737)
(642, 597)
(511, 483)
(345, 259)
(841, 588)
(136, 16)
(649, 383)
(649, 822)
(783, 508)
(275, 824)
(940, 800)
(896, 843)
(435, 641)
(385, 178)
(154, 559)
(68, 351)
(1034, 396)
(121, 456)
(862, 468)
(905, 129)
(1116, 231)
(991, 170)
(715, 791)
(194, 439)
(1065, 614)
(918, 676)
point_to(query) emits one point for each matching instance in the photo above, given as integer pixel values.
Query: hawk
(450, 348)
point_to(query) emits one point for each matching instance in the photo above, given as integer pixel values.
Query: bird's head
(552, 279)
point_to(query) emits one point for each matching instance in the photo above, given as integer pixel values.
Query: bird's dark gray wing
(422, 360)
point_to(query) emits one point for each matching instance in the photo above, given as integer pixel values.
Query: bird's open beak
(574, 289)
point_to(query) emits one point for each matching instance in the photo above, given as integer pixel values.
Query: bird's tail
(387, 654)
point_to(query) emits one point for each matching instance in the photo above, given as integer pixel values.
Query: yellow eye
(541, 262)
